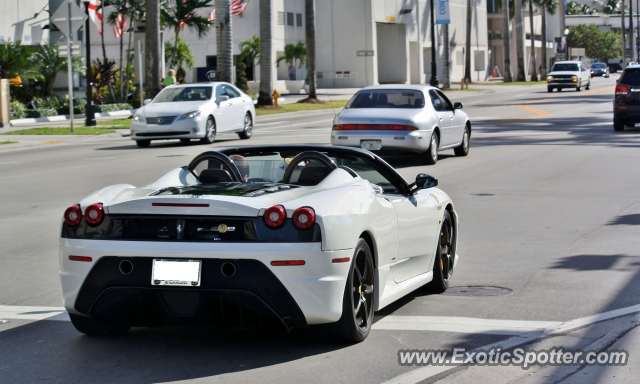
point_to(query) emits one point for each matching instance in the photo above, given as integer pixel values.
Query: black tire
(143, 143)
(210, 134)
(248, 127)
(578, 88)
(463, 148)
(430, 156)
(185, 141)
(588, 87)
(445, 257)
(559, 89)
(549, 89)
(358, 299)
(88, 326)
(618, 125)
(630, 125)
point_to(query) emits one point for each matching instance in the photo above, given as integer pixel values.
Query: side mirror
(424, 181)
(223, 98)
(457, 105)
(147, 101)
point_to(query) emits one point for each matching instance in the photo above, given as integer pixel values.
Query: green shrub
(113, 107)
(65, 110)
(135, 103)
(54, 102)
(40, 112)
(17, 110)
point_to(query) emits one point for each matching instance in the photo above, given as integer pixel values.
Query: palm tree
(446, 61)
(550, 6)
(49, 63)
(184, 13)
(250, 52)
(224, 40)
(266, 53)
(15, 61)
(534, 72)
(294, 53)
(310, 39)
(152, 49)
(467, 45)
(183, 55)
(117, 18)
(520, 75)
(506, 43)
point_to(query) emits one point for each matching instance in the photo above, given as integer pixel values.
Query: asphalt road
(549, 207)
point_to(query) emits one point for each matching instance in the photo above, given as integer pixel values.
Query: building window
(280, 18)
(290, 19)
(298, 19)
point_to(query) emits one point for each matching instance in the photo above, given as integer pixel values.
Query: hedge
(40, 112)
(65, 110)
(113, 107)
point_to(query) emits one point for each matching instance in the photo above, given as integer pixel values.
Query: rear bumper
(630, 113)
(412, 141)
(185, 129)
(296, 295)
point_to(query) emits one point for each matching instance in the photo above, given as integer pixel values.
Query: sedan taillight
(275, 216)
(94, 214)
(622, 89)
(374, 127)
(73, 215)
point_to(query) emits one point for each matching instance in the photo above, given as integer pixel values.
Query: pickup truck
(568, 74)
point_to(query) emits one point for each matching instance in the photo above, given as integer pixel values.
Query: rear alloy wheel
(445, 257)
(618, 125)
(430, 156)
(358, 300)
(210, 135)
(88, 326)
(248, 127)
(143, 143)
(185, 141)
(463, 148)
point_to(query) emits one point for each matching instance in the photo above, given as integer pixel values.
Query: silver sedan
(403, 118)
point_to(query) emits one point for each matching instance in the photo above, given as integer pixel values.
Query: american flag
(121, 26)
(96, 14)
(237, 8)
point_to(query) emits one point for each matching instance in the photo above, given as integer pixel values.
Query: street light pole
(434, 75)
(89, 111)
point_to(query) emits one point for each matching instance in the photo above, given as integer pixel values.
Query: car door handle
(452, 117)
(244, 101)
(441, 119)
(230, 104)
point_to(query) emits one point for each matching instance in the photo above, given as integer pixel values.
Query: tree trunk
(507, 77)
(310, 37)
(266, 54)
(520, 72)
(128, 77)
(152, 50)
(446, 60)
(122, 70)
(534, 70)
(224, 36)
(50, 82)
(543, 65)
(467, 56)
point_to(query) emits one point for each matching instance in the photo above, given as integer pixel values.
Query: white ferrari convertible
(257, 236)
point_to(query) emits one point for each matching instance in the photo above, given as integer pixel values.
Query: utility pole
(632, 45)
(624, 38)
(507, 77)
(69, 67)
(89, 111)
(434, 68)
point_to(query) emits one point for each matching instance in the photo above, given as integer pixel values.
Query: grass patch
(7, 142)
(117, 124)
(61, 131)
(518, 83)
(295, 107)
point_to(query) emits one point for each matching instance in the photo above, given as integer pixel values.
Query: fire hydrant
(276, 95)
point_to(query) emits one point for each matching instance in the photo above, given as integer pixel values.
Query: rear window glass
(565, 67)
(387, 98)
(631, 77)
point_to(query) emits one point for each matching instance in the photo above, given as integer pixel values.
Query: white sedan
(403, 118)
(194, 111)
(250, 236)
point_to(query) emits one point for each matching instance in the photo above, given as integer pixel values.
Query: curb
(66, 117)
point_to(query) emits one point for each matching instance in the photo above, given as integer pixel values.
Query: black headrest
(211, 176)
(312, 175)
(382, 98)
(419, 103)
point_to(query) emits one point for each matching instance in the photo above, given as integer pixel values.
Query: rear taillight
(73, 215)
(622, 89)
(304, 217)
(275, 216)
(374, 127)
(94, 214)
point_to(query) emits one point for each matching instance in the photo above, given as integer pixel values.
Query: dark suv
(626, 103)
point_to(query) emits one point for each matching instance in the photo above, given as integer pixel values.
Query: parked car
(568, 74)
(403, 118)
(626, 102)
(286, 235)
(599, 69)
(194, 111)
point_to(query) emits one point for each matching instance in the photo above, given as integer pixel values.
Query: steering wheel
(308, 155)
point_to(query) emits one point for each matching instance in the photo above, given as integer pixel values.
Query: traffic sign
(75, 48)
(59, 18)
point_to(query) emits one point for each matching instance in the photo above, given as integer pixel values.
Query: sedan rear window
(565, 67)
(630, 77)
(170, 95)
(387, 98)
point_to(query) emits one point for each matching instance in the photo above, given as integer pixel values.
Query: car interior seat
(312, 175)
(214, 175)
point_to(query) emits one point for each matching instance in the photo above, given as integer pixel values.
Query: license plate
(372, 145)
(176, 272)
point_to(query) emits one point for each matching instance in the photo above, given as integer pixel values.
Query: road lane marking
(15, 312)
(537, 113)
(461, 325)
(54, 142)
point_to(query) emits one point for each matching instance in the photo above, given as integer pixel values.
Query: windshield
(387, 98)
(565, 67)
(171, 94)
(598, 65)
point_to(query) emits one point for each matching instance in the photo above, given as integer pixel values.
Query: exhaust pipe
(126, 266)
(228, 269)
